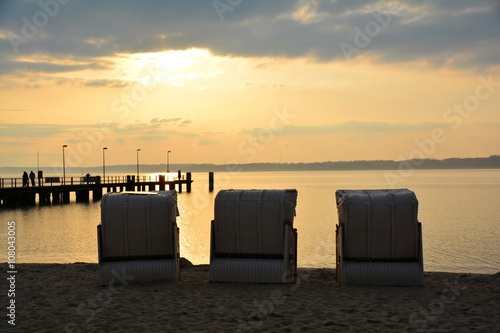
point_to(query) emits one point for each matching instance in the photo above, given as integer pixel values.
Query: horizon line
(272, 163)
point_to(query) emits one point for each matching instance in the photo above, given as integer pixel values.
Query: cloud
(73, 133)
(305, 12)
(41, 81)
(16, 143)
(346, 127)
(154, 128)
(488, 124)
(150, 137)
(34, 130)
(106, 83)
(165, 120)
(162, 129)
(208, 142)
(435, 31)
(41, 67)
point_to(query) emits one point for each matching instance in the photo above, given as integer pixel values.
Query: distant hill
(492, 162)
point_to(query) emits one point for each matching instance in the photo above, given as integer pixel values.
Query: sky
(247, 81)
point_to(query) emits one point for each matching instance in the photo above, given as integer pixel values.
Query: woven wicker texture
(252, 236)
(379, 240)
(379, 224)
(251, 221)
(138, 224)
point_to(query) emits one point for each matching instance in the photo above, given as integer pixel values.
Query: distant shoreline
(491, 162)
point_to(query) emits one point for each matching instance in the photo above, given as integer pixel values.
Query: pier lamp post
(104, 164)
(168, 162)
(64, 165)
(138, 150)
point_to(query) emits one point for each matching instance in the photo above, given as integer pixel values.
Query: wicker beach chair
(379, 239)
(138, 237)
(252, 236)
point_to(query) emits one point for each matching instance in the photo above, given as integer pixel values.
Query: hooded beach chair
(138, 237)
(252, 236)
(379, 239)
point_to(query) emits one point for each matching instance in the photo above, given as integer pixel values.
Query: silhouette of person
(32, 177)
(179, 174)
(88, 177)
(25, 179)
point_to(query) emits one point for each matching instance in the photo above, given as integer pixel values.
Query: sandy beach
(66, 298)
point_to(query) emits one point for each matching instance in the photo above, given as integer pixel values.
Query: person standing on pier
(32, 177)
(25, 179)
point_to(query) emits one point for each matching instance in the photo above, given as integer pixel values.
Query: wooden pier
(54, 190)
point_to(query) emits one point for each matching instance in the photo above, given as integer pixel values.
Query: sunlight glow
(176, 67)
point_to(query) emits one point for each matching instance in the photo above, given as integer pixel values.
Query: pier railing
(58, 181)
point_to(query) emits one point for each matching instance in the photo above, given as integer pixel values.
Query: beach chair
(252, 236)
(138, 237)
(379, 239)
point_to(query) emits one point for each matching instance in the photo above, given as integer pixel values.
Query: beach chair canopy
(252, 236)
(381, 228)
(138, 224)
(379, 224)
(250, 222)
(139, 234)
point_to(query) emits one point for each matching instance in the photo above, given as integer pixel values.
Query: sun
(173, 67)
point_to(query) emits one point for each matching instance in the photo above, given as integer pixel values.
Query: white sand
(66, 298)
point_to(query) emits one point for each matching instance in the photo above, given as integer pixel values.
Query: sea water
(459, 211)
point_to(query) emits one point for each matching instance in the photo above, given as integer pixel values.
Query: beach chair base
(382, 273)
(251, 270)
(123, 273)
(379, 273)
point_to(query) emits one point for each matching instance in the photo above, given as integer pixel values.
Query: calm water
(459, 211)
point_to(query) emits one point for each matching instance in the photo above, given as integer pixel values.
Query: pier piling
(162, 183)
(188, 183)
(65, 197)
(82, 196)
(211, 181)
(56, 197)
(44, 198)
